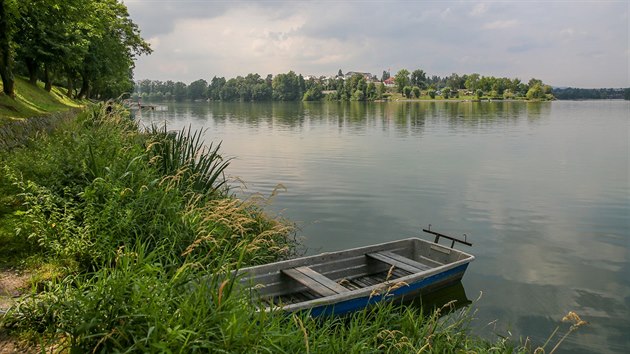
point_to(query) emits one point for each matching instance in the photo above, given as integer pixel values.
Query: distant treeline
(571, 93)
(84, 44)
(352, 86)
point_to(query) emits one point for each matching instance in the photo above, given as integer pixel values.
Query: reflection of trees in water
(489, 114)
(403, 117)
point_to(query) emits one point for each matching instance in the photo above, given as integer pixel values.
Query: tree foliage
(407, 91)
(93, 41)
(358, 87)
(401, 79)
(418, 78)
(571, 93)
(288, 87)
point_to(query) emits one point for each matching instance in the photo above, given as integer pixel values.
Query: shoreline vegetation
(352, 86)
(126, 239)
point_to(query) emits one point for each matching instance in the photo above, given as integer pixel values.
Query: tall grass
(98, 184)
(183, 154)
(136, 306)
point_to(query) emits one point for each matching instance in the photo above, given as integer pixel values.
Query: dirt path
(12, 284)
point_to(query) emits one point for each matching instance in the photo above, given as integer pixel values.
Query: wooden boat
(341, 282)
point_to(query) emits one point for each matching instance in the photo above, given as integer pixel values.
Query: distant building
(389, 82)
(350, 74)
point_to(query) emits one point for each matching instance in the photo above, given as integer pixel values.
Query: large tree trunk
(8, 81)
(70, 86)
(85, 87)
(47, 78)
(31, 65)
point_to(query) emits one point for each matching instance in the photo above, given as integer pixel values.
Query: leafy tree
(262, 92)
(340, 73)
(431, 93)
(533, 82)
(197, 89)
(42, 43)
(180, 91)
(380, 91)
(418, 78)
(385, 75)
(114, 42)
(314, 93)
(215, 86)
(401, 79)
(472, 82)
(535, 92)
(370, 92)
(358, 95)
(287, 87)
(455, 82)
(479, 94)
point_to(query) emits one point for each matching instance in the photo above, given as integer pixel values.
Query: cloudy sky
(564, 43)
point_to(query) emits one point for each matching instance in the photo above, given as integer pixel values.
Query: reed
(201, 167)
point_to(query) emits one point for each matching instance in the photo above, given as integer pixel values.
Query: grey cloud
(492, 38)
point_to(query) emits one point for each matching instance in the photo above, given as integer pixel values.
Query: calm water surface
(541, 189)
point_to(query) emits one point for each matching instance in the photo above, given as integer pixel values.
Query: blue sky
(563, 43)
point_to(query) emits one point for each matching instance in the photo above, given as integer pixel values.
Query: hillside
(33, 101)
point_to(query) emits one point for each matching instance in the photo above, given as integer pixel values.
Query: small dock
(144, 106)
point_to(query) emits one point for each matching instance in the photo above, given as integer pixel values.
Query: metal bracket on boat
(453, 239)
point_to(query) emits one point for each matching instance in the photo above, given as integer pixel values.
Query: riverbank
(118, 234)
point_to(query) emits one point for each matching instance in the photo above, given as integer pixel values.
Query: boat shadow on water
(452, 297)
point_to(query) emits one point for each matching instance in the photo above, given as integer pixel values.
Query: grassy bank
(130, 238)
(31, 101)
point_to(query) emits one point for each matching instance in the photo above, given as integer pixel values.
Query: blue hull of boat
(352, 305)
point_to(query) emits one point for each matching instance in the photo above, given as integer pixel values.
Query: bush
(416, 91)
(407, 91)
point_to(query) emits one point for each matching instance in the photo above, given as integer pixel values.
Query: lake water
(541, 189)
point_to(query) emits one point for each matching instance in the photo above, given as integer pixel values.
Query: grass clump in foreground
(137, 234)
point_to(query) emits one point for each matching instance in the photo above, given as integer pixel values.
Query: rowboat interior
(309, 279)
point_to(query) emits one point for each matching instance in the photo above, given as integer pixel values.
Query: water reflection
(450, 298)
(405, 118)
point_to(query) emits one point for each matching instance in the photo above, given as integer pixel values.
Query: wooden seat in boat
(315, 281)
(399, 261)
